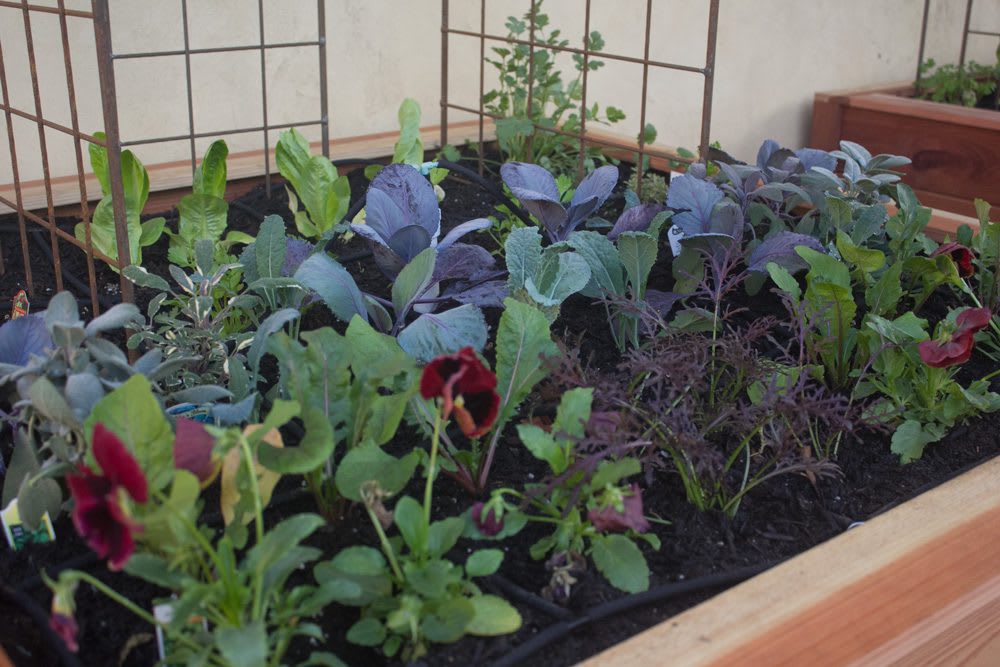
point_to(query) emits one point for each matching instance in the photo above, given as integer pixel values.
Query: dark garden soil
(778, 520)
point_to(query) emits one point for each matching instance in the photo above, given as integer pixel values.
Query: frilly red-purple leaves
(610, 520)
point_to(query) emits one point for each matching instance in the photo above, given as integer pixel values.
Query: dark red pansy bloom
(64, 625)
(610, 520)
(955, 348)
(487, 523)
(467, 389)
(959, 254)
(99, 515)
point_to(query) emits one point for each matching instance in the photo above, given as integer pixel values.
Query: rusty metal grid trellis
(113, 141)
(967, 30)
(707, 71)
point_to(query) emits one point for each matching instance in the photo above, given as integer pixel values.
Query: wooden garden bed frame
(955, 149)
(918, 585)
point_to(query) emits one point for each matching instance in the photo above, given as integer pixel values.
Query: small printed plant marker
(21, 305)
(164, 615)
(18, 535)
(674, 235)
(198, 413)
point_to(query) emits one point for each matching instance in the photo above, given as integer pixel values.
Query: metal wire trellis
(966, 31)
(707, 71)
(113, 142)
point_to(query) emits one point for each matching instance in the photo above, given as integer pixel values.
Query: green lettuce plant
(135, 184)
(314, 182)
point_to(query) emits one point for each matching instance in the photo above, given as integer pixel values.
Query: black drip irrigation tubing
(41, 619)
(565, 626)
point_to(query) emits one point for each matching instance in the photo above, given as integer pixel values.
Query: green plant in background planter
(135, 185)
(554, 102)
(964, 84)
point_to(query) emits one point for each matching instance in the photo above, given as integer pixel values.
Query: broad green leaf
(494, 616)
(523, 340)
(144, 278)
(447, 621)
(558, 276)
(244, 645)
(869, 260)
(620, 561)
(911, 437)
(269, 247)
(484, 562)
(523, 254)
(99, 163)
(638, 253)
(409, 149)
(367, 631)
(443, 535)
(202, 216)
(362, 565)
(413, 280)
(369, 462)
(606, 269)
(434, 334)
(785, 281)
(210, 176)
(133, 414)
(373, 353)
(408, 516)
(335, 286)
(543, 446)
(883, 296)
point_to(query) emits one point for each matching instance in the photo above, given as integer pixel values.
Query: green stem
(114, 596)
(435, 438)
(384, 542)
(258, 507)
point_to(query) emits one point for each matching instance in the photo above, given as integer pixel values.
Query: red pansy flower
(609, 520)
(955, 348)
(487, 523)
(467, 389)
(100, 515)
(959, 254)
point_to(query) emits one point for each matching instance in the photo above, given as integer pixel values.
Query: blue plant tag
(198, 413)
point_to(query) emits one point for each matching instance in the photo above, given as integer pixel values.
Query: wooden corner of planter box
(917, 585)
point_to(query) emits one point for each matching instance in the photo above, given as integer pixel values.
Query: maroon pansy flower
(65, 627)
(487, 521)
(956, 347)
(100, 514)
(609, 520)
(961, 255)
(467, 389)
(62, 619)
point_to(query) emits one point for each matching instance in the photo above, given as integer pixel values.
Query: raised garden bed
(702, 553)
(955, 149)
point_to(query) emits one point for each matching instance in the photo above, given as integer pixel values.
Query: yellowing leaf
(266, 479)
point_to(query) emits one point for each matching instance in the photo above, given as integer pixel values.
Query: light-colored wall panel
(773, 55)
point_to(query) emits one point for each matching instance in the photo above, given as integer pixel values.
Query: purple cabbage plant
(537, 191)
(402, 219)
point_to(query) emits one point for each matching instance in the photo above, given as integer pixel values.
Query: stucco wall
(773, 55)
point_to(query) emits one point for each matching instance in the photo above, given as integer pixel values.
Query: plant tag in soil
(164, 614)
(18, 535)
(674, 235)
(20, 306)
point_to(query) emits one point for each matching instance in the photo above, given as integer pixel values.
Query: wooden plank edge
(242, 165)
(952, 114)
(928, 564)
